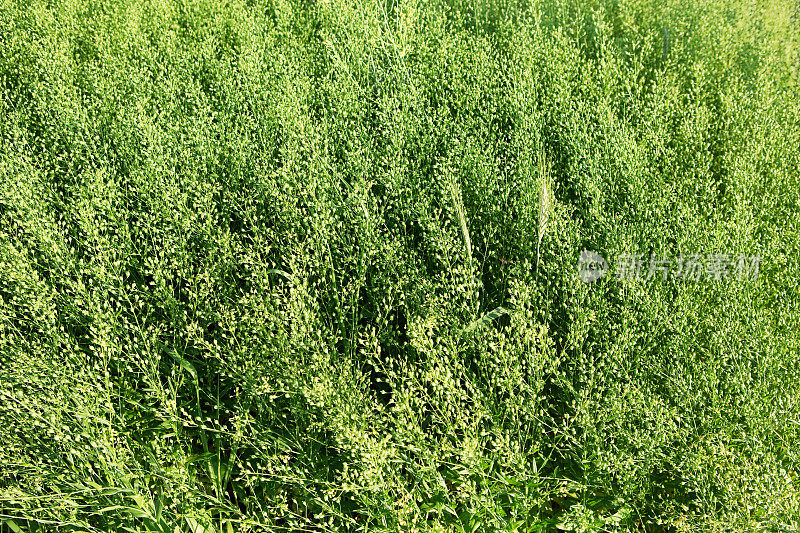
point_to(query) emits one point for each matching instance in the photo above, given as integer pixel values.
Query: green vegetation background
(246, 246)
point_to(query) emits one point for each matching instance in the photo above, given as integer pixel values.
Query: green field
(297, 266)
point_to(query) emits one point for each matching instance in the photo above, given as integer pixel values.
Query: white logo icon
(591, 266)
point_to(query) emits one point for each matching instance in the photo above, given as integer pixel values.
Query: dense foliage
(312, 266)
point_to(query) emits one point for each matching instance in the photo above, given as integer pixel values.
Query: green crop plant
(292, 265)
